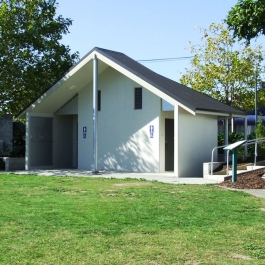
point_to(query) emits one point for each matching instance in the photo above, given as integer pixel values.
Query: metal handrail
(217, 147)
(249, 142)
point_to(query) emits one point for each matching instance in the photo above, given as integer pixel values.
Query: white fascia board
(143, 83)
(224, 115)
(213, 113)
(80, 65)
(238, 116)
(59, 83)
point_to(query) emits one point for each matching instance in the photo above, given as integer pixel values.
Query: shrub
(232, 138)
(235, 137)
(260, 133)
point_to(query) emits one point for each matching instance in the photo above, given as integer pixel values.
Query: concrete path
(167, 177)
(256, 192)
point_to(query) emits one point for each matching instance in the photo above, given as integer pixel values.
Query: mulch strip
(247, 180)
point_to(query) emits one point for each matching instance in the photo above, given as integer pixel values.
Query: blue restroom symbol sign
(151, 131)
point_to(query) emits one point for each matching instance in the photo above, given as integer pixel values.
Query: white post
(27, 154)
(232, 125)
(256, 147)
(176, 140)
(245, 136)
(226, 137)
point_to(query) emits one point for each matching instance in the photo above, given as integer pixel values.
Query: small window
(138, 98)
(99, 100)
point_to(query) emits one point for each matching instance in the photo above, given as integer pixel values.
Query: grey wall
(197, 136)
(41, 141)
(63, 141)
(6, 134)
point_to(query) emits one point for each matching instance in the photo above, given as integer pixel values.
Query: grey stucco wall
(124, 142)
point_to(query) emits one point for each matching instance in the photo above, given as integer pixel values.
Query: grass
(64, 220)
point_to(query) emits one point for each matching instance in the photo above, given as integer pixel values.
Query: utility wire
(165, 59)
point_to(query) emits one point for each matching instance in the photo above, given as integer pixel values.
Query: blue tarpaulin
(250, 120)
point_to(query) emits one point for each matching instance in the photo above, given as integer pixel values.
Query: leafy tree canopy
(247, 19)
(31, 55)
(225, 69)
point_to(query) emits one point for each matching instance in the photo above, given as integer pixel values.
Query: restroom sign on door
(152, 131)
(84, 132)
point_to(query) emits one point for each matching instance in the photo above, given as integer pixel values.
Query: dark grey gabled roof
(190, 98)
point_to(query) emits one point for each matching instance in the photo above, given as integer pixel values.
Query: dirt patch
(247, 180)
(133, 184)
(239, 256)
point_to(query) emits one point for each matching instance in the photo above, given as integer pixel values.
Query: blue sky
(142, 29)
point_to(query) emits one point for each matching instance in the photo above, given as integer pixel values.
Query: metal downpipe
(95, 113)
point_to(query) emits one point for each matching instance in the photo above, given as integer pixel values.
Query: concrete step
(218, 178)
(254, 167)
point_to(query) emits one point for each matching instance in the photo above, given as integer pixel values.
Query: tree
(31, 55)
(246, 19)
(224, 69)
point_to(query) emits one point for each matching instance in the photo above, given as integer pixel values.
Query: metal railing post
(227, 163)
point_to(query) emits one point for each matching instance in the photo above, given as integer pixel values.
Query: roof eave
(60, 81)
(230, 114)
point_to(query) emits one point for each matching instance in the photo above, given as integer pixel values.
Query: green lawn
(64, 220)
